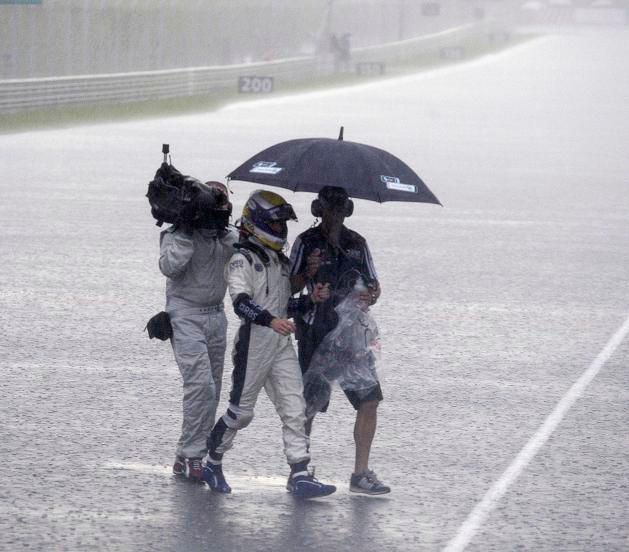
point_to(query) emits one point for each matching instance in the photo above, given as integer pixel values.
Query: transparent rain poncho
(347, 355)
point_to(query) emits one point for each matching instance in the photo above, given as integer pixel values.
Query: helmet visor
(281, 212)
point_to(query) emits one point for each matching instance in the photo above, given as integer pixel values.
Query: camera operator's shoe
(367, 483)
(213, 476)
(179, 467)
(190, 468)
(305, 485)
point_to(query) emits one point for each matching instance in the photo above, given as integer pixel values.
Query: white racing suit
(195, 290)
(260, 290)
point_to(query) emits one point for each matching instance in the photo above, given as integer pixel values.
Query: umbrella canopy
(309, 164)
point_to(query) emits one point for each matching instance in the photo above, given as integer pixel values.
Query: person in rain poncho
(263, 355)
(334, 256)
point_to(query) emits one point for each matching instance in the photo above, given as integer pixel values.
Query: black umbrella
(309, 164)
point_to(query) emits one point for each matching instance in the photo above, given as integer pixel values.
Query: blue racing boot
(213, 476)
(305, 485)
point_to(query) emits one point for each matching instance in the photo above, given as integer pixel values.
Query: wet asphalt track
(493, 307)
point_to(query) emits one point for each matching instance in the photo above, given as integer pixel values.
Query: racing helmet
(262, 209)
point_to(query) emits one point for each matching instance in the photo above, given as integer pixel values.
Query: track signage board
(255, 85)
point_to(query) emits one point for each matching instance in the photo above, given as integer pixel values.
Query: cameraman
(192, 256)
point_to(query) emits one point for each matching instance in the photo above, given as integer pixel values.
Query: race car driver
(263, 354)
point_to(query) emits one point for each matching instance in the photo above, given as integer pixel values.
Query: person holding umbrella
(333, 256)
(330, 256)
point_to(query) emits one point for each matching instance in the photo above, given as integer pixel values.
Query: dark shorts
(306, 348)
(358, 398)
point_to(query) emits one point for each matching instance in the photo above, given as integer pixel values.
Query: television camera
(179, 199)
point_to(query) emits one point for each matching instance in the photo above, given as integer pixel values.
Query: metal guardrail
(27, 94)
(24, 94)
(428, 44)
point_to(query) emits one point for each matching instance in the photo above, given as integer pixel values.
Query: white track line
(481, 511)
